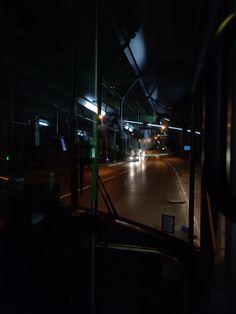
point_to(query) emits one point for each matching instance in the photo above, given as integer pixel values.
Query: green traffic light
(7, 157)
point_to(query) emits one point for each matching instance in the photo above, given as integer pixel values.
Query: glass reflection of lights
(93, 107)
(137, 46)
(161, 126)
(87, 103)
(143, 167)
(43, 122)
(131, 172)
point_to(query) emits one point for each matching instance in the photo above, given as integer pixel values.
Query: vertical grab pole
(95, 119)
(73, 135)
(95, 155)
(192, 177)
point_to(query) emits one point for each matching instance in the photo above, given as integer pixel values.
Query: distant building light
(43, 122)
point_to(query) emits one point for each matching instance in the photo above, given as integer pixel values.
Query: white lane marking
(107, 179)
(86, 187)
(115, 164)
(123, 172)
(67, 194)
(179, 181)
(185, 195)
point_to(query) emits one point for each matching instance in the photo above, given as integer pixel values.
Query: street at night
(117, 157)
(138, 190)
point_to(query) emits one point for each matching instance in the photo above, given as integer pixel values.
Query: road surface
(141, 191)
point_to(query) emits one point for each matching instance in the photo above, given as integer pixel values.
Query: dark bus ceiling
(146, 56)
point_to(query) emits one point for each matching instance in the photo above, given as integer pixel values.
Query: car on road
(134, 157)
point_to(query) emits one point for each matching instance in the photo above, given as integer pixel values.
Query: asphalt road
(141, 191)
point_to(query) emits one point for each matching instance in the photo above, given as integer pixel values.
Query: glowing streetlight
(163, 127)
